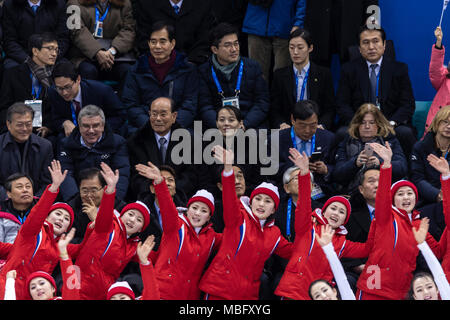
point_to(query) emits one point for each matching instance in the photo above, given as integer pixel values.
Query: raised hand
(385, 152)
(144, 249)
(440, 164)
(64, 241)
(421, 233)
(300, 160)
(11, 274)
(56, 174)
(224, 156)
(111, 177)
(326, 235)
(439, 35)
(151, 172)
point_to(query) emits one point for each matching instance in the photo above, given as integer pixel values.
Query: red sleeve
(151, 288)
(71, 280)
(383, 200)
(169, 212)
(5, 248)
(231, 204)
(353, 250)
(104, 220)
(439, 248)
(218, 241)
(303, 210)
(33, 224)
(445, 186)
(284, 248)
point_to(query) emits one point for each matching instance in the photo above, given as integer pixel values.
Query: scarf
(161, 70)
(226, 70)
(42, 74)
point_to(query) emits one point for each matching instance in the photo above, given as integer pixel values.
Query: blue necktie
(34, 7)
(163, 148)
(373, 83)
(176, 8)
(303, 147)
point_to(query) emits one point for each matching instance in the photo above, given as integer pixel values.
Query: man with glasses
(29, 81)
(23, 151)
(318, 144)
(89, 144)
(227, 78)
(71, 93)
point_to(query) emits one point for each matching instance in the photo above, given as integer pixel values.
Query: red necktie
(77, 106)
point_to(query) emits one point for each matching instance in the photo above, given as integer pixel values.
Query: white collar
(167, 136)
(78, 96)
(34, 4)
(370, 208)
(303, 71)
(176, 4)
(378, 63)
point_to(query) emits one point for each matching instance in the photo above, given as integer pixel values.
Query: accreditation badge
(98, 33)
(36, 105)
(316, 191)
(231, 101)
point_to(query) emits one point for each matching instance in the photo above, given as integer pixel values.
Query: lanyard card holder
(230, 101)
(36, 105)
(98, 33)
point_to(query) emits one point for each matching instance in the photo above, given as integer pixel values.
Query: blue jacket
(141, 87)
(111, 149)
(254, 101)
(276, 21)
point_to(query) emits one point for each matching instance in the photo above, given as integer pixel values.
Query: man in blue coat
(268, 24)
(164, 72)
(89, 144)
(228, 78)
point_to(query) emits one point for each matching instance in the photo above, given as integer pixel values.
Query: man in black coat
(318, 144)
(192, 24)
(319, 85)
(374, 78)
(20, 22)
(153, 143)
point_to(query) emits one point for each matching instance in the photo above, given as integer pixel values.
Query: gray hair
(19, 108)
(287, 174)
(91, 111)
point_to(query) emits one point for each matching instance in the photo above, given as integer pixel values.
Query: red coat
(104, 252)
(35, 247)
(151, 288)
(183, 253)
(308, 262)
(236, 269)
(445, 238)
(389, 269)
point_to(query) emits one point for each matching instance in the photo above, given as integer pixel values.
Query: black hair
(169, 169)
(236, 111)
(37, 40)
(65, 69)
(173, 105)
(363, 172)
(304, 109)
(366, 28)
(163, 25)
(19, 108)
(221, 30)
(321, 280)
(421, 274)
(90, 173)
(303, 33)
(14, 177)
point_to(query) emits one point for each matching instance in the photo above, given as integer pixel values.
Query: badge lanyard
(35, 93)
(294, 142)
(98, 33)
(22, 220)
(302, 92)
(97, 14)
(238, 83)
(288, 218)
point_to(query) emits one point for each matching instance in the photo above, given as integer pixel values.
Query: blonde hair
(384, 128)
(442, 114)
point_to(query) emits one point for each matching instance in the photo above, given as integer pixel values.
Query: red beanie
(142, 208)
(342, 200)
(267, 189)
(120, 287)
(65, 206)
(205, 197)
(41, 274)
(403, 183)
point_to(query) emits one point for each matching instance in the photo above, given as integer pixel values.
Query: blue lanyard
(74, 116)
(288, 218)
(238, 83)
(22, 220)
(302, 92)
(378, 80)
(294, 142)
(35, 93)
(97, 14)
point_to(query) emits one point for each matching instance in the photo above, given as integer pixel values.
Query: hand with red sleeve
(151, 289)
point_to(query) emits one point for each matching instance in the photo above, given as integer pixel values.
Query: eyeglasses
(26, 125)
(65, 88)
(55, 49)
(85, 191)
(228, 45)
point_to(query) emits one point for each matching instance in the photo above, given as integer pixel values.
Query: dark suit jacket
(395, 92)
(319, 88)
(325, 142)
(92, 92)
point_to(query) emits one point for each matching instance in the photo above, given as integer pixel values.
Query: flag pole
(443, 9)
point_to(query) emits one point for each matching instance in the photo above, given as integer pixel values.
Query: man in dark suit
(318, 144)
(71, 93)
(191, 18)
(376, 79)
(153, 143)
(358, 225)
(285, 86)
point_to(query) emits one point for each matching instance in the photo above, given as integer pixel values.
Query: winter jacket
(19, 23)
(10, 222)
(445, 242)
(441, 82)
(392, 258)
(183, 252)
(111, 149)
(254, 101)
(234, 273)
(104, 252)
(141, 87)
(308, 261)
(275, 21)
